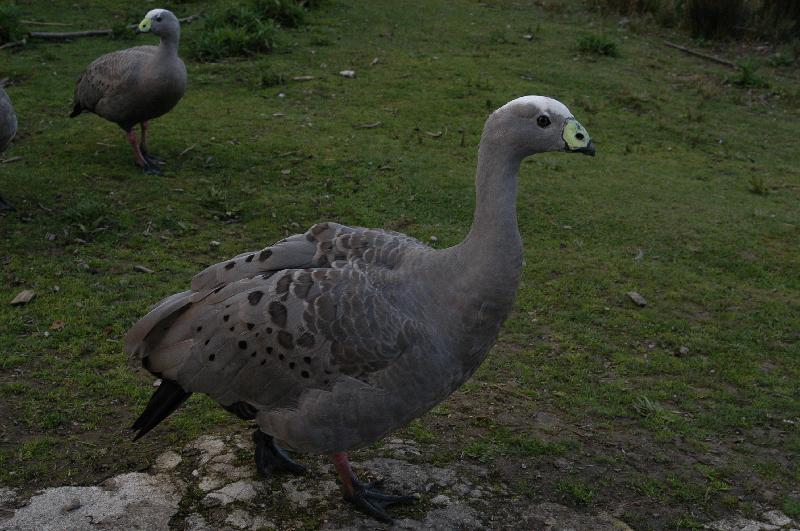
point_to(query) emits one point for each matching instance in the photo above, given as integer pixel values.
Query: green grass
(674, 207)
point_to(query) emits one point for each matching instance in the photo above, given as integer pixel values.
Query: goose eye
(543, 121)
(158, 18)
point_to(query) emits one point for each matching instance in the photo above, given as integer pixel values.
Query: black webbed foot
(271, 458)
(372, 502)
(149, 168)
(6, 206)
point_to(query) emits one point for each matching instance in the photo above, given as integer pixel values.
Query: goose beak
(144, 26)
(576, 138)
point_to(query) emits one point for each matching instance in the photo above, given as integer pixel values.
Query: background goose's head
(536, 124)
(160, 22)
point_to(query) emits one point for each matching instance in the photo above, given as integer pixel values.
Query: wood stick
(37, 23)
(13, 44)
(701, 55)
(61, 35)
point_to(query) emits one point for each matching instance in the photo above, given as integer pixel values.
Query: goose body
(333, 338)
(8, 128)
(136, 85)
(8, 121)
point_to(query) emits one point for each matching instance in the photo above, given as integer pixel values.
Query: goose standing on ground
(136, 85)
(8, 128)
(331, 339)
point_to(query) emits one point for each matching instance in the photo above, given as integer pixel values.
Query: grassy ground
(667, 415)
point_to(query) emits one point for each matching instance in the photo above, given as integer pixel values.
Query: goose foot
(365, 496)
(151, 159)
(271, 458)
(5, 206)
(149, 168)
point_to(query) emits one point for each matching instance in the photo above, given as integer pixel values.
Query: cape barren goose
(8, 128)
(135, 85)
(331, 339)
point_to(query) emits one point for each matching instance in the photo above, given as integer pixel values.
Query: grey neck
(169, 43)
(494, 233)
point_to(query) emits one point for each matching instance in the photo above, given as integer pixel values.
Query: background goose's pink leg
(366, 497)
(137, 153)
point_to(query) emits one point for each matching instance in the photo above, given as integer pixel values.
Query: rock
(239, 519)
(209, 447)
(683, 351)
(636, 298)
(129, 501)
(7, 496)
(168, 460)
(441, 499)
(777, 518)
(244, 491)
(740, 524)
(23, 297)
(348, 73)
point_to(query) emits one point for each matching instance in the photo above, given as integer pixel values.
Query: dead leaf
(636, 298)
(58, 324)
(369, 126)
(23, 297)
(142, 269)
(303, 78)
(431, 134)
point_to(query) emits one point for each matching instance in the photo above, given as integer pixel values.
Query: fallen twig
(62, 35)
(368, 126)
(701, 55)
(9, 160)
(13, 44)
(38, 23)
(187, 150)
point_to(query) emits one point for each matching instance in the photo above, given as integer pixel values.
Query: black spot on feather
(283, 284)
(249, 258)
(250, 326)
(242, 344)
(230, 265)
(277, 312)
(263, 255)
(285, 339)
(254, 297)
(226, 317)
(304, 374)
(211, 357)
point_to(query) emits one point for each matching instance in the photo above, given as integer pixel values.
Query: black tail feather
(167, 398)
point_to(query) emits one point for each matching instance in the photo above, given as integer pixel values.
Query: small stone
(50, 237)
(683, 351)
(214, 243)
(637, 299)
(528, 37)
(239, 519)
(168, 460)
(348, 73)
(434, 239)
(74, 504)
(23, 297)
(243, 490)
(157, 383)
(441, 499)
(142, 269)
(777, 518)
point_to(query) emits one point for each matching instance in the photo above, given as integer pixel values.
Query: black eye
(543, 121)
(158, 18)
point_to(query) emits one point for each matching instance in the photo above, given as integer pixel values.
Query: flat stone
(209, 447)
(239, 519)
(7, 496)
(740, 524)
(244, 490)
(441, 499)
(168, 460)
(777, 518)
(129, 501)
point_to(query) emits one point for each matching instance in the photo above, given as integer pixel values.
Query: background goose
(333, 338)
(135, 85)
(8, 128)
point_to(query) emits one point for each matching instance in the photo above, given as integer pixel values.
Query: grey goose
(331, 339)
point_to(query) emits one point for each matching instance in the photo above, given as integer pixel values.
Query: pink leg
(137, 153)
(144, 125)
(367, 498)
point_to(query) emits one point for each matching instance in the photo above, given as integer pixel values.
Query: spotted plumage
(331, 339)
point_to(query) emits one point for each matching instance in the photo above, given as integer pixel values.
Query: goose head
(160, 22)
(537, 124)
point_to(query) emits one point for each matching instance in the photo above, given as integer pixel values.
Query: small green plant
(287, 13)
(598, 45)
(791, 506)
(233, 32)
(757, 185)
(748, 76)
(11, 28)
(577, 491)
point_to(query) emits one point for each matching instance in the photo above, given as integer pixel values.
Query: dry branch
(13, 44)
(62, 35)
(701, 55)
